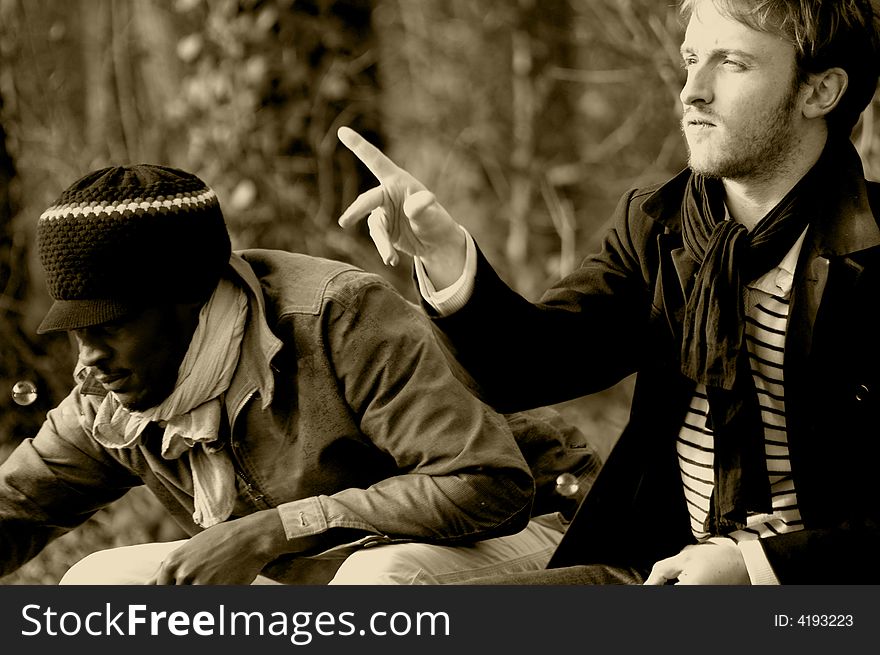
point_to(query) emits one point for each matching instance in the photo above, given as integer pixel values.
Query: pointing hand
(404, 216)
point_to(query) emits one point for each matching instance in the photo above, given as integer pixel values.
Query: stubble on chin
(701, 162)
(752, 151)
(751, 159)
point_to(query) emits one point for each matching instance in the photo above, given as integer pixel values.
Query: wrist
(267, 538)
(445, 262)
(265, 533)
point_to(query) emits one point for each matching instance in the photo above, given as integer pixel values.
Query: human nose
(92, 349)
(697, 88)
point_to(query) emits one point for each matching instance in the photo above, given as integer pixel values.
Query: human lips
(112, 381)
(697, 120)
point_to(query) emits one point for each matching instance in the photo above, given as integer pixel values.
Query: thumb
(415, 205)
(664, 571)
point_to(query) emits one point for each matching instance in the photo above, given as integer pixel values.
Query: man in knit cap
(287, 410)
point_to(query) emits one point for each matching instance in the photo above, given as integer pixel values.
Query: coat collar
(848, 225)
(844, 228)
(663, 203)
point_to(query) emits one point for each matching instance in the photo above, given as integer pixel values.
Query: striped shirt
(767, 303)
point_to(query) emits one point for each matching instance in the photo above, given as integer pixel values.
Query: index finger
(370, 155)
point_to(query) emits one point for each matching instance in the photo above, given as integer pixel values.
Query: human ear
(824, 91)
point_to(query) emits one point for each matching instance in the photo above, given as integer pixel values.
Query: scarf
(191, 414)
(713, 349)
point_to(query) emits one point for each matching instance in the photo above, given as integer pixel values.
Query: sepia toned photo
(411, 292)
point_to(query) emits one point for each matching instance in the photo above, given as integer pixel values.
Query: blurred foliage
(528, 119)
(246, 95)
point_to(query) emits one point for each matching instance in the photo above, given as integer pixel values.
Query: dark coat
(620, 313)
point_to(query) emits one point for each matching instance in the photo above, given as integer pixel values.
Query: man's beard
(756, 154)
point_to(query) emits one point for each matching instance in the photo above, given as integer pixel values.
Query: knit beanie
(125, 238)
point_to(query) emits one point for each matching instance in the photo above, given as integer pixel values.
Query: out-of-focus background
(527, 119)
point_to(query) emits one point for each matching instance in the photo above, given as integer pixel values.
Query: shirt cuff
(757, 564)
(449, 300)
(302, 518)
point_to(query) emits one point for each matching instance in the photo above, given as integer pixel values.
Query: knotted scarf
(191, 414)
(714, 349)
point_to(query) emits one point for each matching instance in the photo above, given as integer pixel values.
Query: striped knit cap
(124, 238)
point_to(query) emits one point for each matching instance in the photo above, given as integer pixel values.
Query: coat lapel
(674, 281)
(830, 258)
(676, 268)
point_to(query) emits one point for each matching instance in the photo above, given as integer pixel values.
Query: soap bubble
(24, 392)
(567, 485)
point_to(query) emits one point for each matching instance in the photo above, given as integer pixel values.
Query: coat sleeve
(461, 476)
(552, 446)
(54, 482)
(844, 554)
(584, 335)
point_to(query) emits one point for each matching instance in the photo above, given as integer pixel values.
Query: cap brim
(76, 314)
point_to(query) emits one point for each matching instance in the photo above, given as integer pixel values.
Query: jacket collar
(258, 347)
(847, 226)
(663, 203)
(843, 229)
(850, 225)
(844, 226)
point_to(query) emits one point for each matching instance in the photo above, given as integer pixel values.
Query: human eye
(733, 64)
(688, 60)
(111, 329)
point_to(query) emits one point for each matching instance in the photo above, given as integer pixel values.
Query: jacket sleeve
(584, 335)
(461, 476)
(844, 554)
(552, 446)
(54, 482)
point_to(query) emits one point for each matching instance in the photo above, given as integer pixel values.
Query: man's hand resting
(233, 552)
(718, 562)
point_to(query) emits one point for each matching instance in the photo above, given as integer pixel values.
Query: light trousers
(403, 564)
